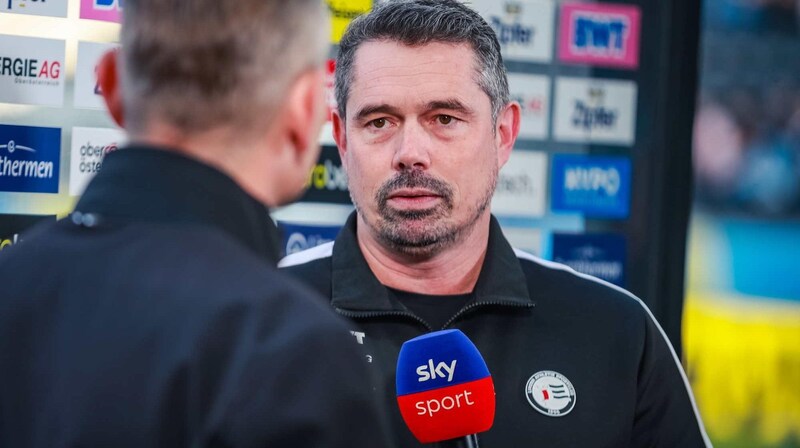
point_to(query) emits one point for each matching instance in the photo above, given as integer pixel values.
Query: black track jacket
(154, 317)
(536, 323)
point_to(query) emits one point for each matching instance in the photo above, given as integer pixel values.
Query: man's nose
(413, 147)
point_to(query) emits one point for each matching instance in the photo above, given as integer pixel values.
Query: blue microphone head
(439, 349)
(444, 389)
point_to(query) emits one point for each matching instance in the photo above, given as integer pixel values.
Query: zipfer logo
(593, 114)
(512, 33)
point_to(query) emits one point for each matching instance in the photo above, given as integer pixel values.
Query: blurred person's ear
(305, 110)
(506, 131)
(301, 116)
(108, 81)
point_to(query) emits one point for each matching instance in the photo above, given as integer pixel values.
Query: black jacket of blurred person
(153, 315)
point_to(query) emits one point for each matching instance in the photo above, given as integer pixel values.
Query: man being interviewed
(154, 314)
(424, 124)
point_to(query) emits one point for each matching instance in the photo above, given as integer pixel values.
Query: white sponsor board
(533, 94)
(32, 71)
(52, 8)
(521, 185)
(595, 111)
(89, 147)
(326, 135)
(525, 28)
(524, 238)
(87, 92)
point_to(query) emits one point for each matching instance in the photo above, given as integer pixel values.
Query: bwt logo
(600, 34)
(429, 372)
(512, 33)
(29, 68)
(593, 179)
(107, 5)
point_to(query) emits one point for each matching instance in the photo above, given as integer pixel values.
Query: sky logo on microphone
(428, 371)
(444, 389)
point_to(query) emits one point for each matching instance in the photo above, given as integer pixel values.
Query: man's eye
(445, 119)
(378, 122)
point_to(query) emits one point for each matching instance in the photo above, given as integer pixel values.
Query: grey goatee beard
(423, 233)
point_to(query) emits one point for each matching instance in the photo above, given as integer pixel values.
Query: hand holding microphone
(444, 389)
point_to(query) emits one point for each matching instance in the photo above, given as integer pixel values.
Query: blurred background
(741, 328)
(740, 331)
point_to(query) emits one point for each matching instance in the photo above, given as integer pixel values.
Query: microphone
(444, 389)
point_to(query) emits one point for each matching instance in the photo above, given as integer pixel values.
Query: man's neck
(224, 150)
(454, 270)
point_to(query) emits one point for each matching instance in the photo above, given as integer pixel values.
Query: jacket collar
(355, 287)
(145, 184)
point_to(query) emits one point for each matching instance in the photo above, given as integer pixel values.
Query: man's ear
(339, 134)
(506, 131)
(304, 113)
(108, 81)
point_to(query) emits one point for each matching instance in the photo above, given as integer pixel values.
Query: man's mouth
(413, 198)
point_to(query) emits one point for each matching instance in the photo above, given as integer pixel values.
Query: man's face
(418, 144)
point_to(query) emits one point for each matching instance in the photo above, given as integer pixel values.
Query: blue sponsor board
(299, 237)
(593, 185)
(29, 159)
(599, 255)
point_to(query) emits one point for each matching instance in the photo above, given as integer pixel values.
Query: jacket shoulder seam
(308, 255)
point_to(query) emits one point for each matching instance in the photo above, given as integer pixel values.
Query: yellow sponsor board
(743, 358)
(343, 12)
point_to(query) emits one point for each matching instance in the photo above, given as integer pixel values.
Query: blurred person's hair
(420, 22)
(201, 64)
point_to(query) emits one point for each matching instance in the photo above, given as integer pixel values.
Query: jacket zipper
(368, 314)
(472, 306)
(465, 310)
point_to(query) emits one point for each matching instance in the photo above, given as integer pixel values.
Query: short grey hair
(420, 22)
(200, 64)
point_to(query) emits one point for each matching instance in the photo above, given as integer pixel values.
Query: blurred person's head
(718, 151)
(424, 122)
(238, 85)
